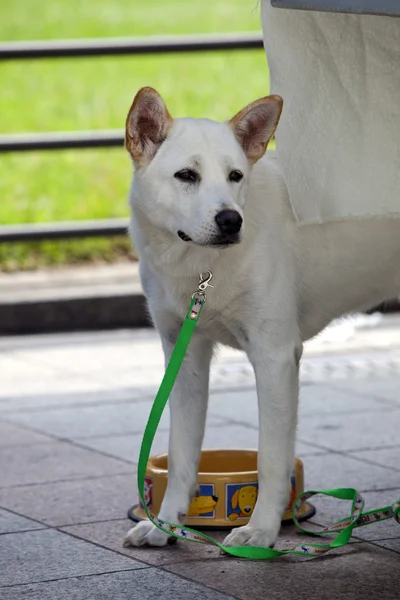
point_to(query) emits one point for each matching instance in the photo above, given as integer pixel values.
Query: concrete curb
(79, 299)
(72, 299)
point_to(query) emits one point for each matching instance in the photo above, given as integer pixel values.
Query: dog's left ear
(147, 125)
(235, 499)
(255, 125)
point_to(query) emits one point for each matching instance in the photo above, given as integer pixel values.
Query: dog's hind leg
(188, 406)
(275, 364)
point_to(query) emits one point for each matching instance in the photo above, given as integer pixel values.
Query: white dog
(206, 197)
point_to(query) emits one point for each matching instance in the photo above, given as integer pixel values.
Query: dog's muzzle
(229, 223)
(184, 237)
(216, 241)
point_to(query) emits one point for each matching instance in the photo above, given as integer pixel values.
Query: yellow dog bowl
(228, 488)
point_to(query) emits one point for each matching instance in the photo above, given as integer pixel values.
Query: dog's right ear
(147, 125)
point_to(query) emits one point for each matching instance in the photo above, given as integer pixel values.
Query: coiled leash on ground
(342, 528)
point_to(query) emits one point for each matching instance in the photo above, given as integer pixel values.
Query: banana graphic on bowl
(202, 505)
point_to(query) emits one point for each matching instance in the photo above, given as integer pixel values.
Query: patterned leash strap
(343, 528)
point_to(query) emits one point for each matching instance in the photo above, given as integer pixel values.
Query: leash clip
(204, 283)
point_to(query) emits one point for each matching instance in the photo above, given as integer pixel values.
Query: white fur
(277, 288)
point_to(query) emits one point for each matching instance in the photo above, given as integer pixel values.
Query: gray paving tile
(126, 446)
(134, 363)
(111, 534)
(391, 544)
(303, 450)
(358, 571)
(82, 393)
(223, 436)
(78, 501)
(24, 391)
(81, 422)
(54, 461)
(52, 341)
(381, 387)
(146, 584)
(238, 406)
(327, 400)
(49, 554)
(39, 377)
(10, 522)
(93, 353)
(387, 457)
(350, 365)
(337, 470)
(353, 431)
(12, 435)
(13, 364)
(228, 435)
(241, 406)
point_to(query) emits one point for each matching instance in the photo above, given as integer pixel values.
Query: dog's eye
(235, 176)
(187, 175)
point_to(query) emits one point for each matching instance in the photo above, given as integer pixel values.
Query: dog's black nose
(229, 221)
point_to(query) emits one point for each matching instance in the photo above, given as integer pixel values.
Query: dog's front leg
(276, 369)
(188, 407)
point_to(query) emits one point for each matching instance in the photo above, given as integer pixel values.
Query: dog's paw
(250, 536)
(146, 534)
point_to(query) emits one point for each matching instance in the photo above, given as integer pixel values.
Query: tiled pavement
(72, 410)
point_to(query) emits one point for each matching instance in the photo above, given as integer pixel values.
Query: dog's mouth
(184, 237)
(222, 241)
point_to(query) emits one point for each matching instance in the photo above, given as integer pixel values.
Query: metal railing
(63, 230)
(131, 46)
(111, 138)
(96, 139)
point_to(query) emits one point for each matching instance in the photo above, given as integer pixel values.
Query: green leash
(342, 528)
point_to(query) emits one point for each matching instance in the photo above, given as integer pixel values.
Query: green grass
(95, 93)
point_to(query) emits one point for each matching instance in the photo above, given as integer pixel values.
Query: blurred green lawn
(95, 93)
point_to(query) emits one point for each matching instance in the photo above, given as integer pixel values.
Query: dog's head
(192, 174)
(245, 498)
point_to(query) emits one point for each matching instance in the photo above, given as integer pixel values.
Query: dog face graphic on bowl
(243, 502)
(202, 505)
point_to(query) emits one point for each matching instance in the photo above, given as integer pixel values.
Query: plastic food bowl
(228, 486)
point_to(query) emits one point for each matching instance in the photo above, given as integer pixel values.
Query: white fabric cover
(339, 135)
